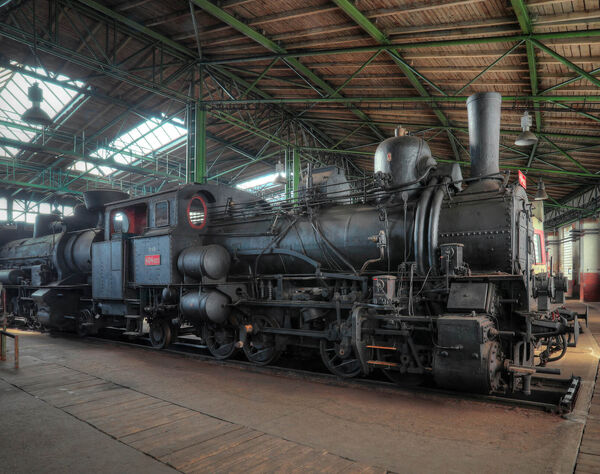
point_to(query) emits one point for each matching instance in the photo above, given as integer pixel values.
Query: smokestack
(484, 137)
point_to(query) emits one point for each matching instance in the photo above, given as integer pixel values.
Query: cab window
(161, 214)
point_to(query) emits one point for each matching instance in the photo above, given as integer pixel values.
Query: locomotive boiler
(419, 272)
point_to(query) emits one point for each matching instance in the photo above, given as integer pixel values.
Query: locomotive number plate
(152, 260)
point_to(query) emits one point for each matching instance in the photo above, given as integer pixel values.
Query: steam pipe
(419, 232)
(434, 221)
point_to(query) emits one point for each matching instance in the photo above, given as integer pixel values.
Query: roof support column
(195, 159)
(196, 145)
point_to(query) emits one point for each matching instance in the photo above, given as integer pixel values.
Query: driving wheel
(260, 347)
(220, 340)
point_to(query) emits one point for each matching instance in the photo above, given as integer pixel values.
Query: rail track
(556, 396)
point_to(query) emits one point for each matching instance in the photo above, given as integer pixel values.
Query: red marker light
(522, 179)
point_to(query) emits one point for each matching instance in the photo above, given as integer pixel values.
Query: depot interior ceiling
(327, 79)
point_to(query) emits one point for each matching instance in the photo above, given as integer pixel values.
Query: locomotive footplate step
(558, 395)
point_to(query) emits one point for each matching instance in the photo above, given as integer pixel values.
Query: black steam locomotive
(411, 275)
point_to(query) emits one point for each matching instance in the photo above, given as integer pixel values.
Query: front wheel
(160, 333)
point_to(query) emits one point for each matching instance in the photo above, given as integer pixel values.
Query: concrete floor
(399, 432)
(36, 437)
(588, 460)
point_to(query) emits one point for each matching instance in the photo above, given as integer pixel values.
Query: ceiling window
(151, 136)
(26, 211)
(14, 101)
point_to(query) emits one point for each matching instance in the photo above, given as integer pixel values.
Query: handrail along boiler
(413, 275)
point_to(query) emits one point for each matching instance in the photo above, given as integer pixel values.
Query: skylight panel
(14, 101)
(142, 140)
(89, 168)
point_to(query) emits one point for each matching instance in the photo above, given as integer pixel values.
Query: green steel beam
(522, 14)
(568, 81)
(578, 148)
(251, 33)
(67, 54)
(566, 62)
(22, 184)
(173, 45)
(514, 150)
(307, 150)
(67, 138)
(281, 79)
(232, 120)
(533, 79)
(297, 172)
(421, 127)
(200, 146)
(420, 99)
(359, 18)
(259, 78)
(238, 167)
(232, 146)
(263, 94)
(234, 77)
(348, 135)
(357, 72)
(139, 28)
(349, 9)
(491, 66)
(532, 153)
(592, 33)
(11, 166)
(566, 155)
(579, 112)
(80, 156)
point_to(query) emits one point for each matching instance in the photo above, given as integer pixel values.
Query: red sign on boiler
(152, 260)
(522, 180)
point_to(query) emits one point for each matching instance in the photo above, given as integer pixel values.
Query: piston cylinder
(211, 261)
(11, 276)
(201, 305)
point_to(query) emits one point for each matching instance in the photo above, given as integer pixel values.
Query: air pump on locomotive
(415, 275)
